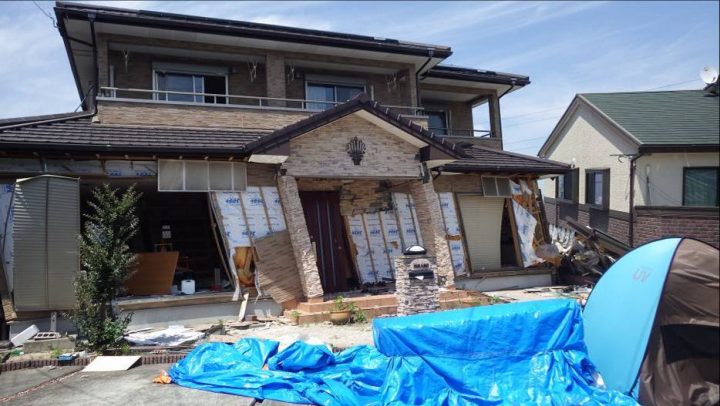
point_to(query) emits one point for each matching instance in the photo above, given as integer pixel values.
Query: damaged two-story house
(288, 163)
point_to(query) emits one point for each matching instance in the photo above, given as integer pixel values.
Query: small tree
(106, 263)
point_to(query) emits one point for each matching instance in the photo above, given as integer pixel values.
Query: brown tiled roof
(483, 159)
(360, 102)
(80, 134)
(5, 122)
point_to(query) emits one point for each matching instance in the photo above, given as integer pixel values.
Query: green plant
(357, 315)
(339, 304)
(106, 262)
(55, 353)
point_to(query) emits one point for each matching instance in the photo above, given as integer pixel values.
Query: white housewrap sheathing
(378, 238)
(253, 213)
(409, 226)
(526, 224)
(453, 231)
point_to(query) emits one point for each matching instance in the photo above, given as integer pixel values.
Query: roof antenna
(709, 75)
(252, 68)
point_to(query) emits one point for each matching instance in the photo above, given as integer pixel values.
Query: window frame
(193, 71)
(240, 166)
(605, 205)
(497, 188)
(574, 186)
(334, 84)
(684, 184)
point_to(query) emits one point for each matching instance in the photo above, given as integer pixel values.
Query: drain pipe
(91, 18)
(631, 226)
(431, 53)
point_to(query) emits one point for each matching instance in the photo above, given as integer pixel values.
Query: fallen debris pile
(584, 254)
(520, 353)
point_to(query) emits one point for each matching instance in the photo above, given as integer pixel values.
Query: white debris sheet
(111, 363)
(409, 226)
(453, 231)
(170, 337)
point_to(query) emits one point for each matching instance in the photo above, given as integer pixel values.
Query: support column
(495, 119)
(432, 229)
(300, 237)
(275, 76)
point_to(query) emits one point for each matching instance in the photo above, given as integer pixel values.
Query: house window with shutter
(567, 186)
(597, 187)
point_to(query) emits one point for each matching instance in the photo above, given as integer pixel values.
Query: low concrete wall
(504, 282)
(200, 314)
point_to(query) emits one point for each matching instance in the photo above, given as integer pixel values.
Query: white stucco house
(645, 164)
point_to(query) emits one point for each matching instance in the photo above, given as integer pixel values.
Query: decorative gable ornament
(356, 149)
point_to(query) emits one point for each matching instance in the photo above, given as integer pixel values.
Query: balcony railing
(463, 133)
(232, 100)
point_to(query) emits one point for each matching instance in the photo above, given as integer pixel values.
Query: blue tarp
(520, 353)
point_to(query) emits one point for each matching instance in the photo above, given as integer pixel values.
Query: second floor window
(437, 122)
(327, 95)
(597, 188)
(190, 83)
(700, 187)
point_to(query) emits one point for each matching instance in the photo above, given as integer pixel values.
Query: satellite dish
(709, 75)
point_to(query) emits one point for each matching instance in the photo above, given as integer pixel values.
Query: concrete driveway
(127, 388)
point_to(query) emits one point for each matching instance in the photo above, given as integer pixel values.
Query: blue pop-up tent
(651, 323)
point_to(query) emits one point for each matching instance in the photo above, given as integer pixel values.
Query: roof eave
(201, 24)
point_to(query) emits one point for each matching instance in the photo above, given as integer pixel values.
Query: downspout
(417, 76)
(631, 226)
(91, 18)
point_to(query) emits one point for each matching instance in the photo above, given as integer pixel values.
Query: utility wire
(672, 84)
(48, 15)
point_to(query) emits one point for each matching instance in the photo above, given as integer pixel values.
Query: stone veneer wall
(415, 295)
(321, 153)
(432, 229)
(300, 237)
(355, 195)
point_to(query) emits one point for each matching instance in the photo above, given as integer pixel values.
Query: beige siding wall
(594, 144)
(665, 174)
(322, 152)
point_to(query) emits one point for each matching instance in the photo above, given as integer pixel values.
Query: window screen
(700, 187)
(201, 176)
(325, 95)
(496, 187)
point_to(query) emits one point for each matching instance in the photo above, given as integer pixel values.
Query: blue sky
(565, 47)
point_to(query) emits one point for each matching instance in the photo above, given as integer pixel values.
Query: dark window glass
(345, 93)
(596, 188)
(179, 82)
(324, 96)
(215, 85)
(700, 187)
(567, 186)
(437, 122)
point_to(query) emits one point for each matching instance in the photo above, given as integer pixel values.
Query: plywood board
(153, 274)
(106, 364)
(276, 267)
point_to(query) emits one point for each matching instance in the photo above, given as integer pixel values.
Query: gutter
(631, 211)
(417, 75)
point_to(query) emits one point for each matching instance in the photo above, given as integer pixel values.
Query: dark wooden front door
(324, 222)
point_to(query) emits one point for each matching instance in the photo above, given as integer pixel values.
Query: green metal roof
(683, 117)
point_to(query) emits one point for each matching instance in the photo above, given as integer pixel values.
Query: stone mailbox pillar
(416, 285)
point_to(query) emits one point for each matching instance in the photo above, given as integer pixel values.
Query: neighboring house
(645, 164)
(348, 148)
